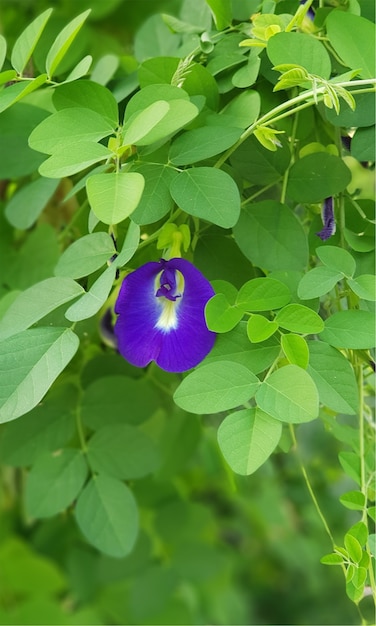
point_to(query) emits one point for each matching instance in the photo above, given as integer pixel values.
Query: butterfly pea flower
(160, 311)
(329, 223)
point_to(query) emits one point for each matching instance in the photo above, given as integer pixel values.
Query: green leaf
(143, 122)
(265, 232)
(290, 47)
(353, 38)
(360, 532)
(354, 500)
(26, 42)
(69, 126)
(296, 350)
(46, 428)
(85, 255)
(332, 559)
(289, 395)
(82, 68)
(334, 378)
(103, 401)
(364, 286)
(207, 193)
(25, 206)
(114, 196)
(258, 165)
(222, 12)
(90, 303)
(350, 462)
(363, 144)
(130, 245)
(122, 451)
(317, 282)
(31, 361)
(75, 158)
(54, 481)
(298, 318)
(107, 515)
(215, 387)
(337, 259)
(372, 544)
(259, 328)
(180, 113)
(220, 315)
(247, 75)
(89, 95)
(317, 176)
(350, 329)
(247, 438)
(202, 143)
(17, 91)
(16, 124)
(263, 294)
(36, 302)
(242, 110)
(156, 200)
(235, 346)
(353, 548)
(3, 51)
(63, 42)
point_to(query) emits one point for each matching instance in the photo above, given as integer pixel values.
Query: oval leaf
(263, 294)
(299, 319)
(86, 255)
(350, 329)
(114, 196)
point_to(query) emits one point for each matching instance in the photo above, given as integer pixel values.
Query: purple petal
(328, 220)
(161, 316)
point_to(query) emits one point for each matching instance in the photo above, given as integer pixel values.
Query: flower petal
(328, 220)
(172, 332)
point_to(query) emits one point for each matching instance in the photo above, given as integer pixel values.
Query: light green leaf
(222, 12)
(259, 328)
(360, 532)
(265, 232)
(337, 259)
(143, 122)
(69, 126)
(89, 95)
(236, 347)
(290, 395)
(350, 329)
(54, 481)
(107, 514)
(354, 500)
(332, 559)
(82, 68)
(17, 91)
(130, 245)
(247, 438)
(90, 303)
(353, 548)
(30, 362)
(220, 315)
(317, 176)
(298, 318)
(207, 193)
(293, 48)
(36, 302)
(318, 282)
(3, 51)
(350, 462)
(353, 38)
(180, 113)
(85, 255)
(216, 387)
(122, 451)
(263, 294)
(75, 158)
(202, 143)
(334, 378)
(242, 110)
(364, 286)
(25, 206)
(156, 199)
(63, 42)
(247, 75)
(26, 42)
(296, 350)
(114, 196)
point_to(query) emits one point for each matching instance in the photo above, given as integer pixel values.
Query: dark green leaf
(353, 38)
(317, 176)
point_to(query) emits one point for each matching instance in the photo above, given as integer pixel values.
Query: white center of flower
(168, 319)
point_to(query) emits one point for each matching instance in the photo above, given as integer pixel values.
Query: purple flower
(161, 315)
(328, 220)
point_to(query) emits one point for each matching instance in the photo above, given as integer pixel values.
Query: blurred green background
(218, 549)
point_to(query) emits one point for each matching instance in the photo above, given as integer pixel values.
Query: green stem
(310, 489)
(287, 172)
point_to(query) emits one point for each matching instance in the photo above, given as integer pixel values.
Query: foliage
(231, 132)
